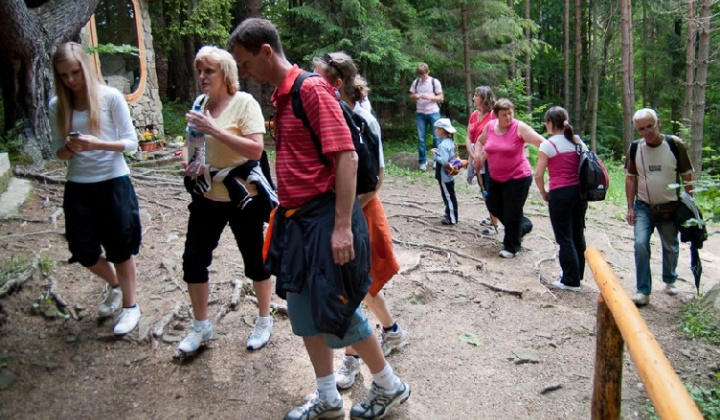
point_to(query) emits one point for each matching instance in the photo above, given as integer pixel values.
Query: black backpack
(594, 179)
(432, 80)
(368, 161)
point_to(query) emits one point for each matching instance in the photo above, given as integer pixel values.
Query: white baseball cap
(445, 124)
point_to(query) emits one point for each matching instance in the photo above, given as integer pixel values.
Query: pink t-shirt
(506, 154)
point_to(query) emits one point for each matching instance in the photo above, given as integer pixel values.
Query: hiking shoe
(506, 254)
(113, 300)
(261, 333)
(671, 289)
(346, 373)
(317, 408)
(392, 340)
(423, 167)
(446, 221)
(489, 231)
(640, 299)
(195, 338)
(127, 321)
(560, 285)
(377, 403)
(486, 222)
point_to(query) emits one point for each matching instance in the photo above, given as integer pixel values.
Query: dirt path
(77, 369)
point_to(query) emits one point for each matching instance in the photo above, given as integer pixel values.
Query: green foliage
(111, 48)
(207, 22)
(11, 141)
(174, 118)
(695, 322)
(13, 267)
(707, 400)
(46, 264)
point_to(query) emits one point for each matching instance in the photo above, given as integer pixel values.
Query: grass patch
(696, 322)
(12, 267)
(706, 399)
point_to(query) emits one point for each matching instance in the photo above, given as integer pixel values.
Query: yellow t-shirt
(241, 117)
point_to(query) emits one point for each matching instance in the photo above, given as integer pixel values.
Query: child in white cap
(443, 154)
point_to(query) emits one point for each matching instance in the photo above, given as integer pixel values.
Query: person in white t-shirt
(91, 127)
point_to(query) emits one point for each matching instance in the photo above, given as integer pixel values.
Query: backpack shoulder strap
(299, 111)
(432, 80)
(633, 150)
(673, 147)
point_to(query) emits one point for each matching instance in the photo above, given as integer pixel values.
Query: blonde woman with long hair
(91, 127)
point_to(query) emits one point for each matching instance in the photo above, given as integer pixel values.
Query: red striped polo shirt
(301, 174)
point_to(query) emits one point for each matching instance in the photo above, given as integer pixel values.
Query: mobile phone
(74, 133)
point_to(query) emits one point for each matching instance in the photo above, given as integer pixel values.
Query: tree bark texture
(513, 67)
(703, 61)
(578, 61)
(466, 59)
(29, 37)
(566, 55)
(628, 85)
(528, 62)
(690, 60)
(607, 384)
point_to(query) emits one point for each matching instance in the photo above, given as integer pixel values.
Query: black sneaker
(377, 403)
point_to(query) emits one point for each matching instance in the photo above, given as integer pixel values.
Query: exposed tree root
(160, 327)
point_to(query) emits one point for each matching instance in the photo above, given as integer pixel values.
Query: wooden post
(667, 392)
(607, 385)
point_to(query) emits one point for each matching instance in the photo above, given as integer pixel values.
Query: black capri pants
(102, 214)
(208, 219)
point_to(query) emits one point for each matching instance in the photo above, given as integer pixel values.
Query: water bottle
(196, 141)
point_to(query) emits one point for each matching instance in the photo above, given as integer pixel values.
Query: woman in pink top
(504, 148)
(560, 155)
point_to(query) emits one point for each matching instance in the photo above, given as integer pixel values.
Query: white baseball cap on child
(445, 124)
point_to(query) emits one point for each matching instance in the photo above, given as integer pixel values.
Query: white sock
(263, 321)
(204, 324)
(327, 388)
(387, 379)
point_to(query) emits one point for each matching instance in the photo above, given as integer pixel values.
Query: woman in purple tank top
(560, 155)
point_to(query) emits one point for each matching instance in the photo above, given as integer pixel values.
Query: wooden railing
(619, 322)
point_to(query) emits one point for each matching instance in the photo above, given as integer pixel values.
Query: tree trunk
(513, 68)
(578, 61)
(466, 56)
(29, 37)
(566, 54)
(628, 88)
(703, 61)
(644, 57)
(528, 61)
(690, 60)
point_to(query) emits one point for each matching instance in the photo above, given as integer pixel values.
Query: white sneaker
(127, 321)
(346, 373)
(491, 231)
(506, 254)
(261, 334)
(560, 285)
(195, 338)
(640, 299)
(671, 289)
(392, 340)
(317, 408)
(113, 300)
(423, 167)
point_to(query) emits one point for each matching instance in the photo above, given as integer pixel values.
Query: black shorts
(102, 214)
(208, 219)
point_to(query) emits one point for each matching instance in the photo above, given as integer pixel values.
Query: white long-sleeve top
(115, 125)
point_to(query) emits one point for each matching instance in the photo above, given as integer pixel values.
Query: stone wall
(147, 110)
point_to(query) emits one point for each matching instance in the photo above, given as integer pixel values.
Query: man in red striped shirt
(319, 248)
